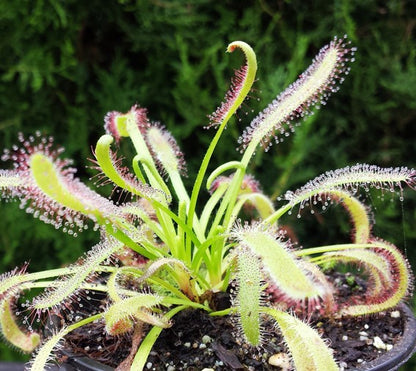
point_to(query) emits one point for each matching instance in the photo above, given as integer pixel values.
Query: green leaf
(308, 349)
(26, 342)
(118, 317)
(249, 295)
(284, 269)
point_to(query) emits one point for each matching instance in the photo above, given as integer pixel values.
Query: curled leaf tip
(241, 84)
(116, 123)
(238, 44)
(112, 171)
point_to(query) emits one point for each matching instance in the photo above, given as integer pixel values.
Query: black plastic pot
(389, 361)
(82, 363)
(401, 351)
(74, 363)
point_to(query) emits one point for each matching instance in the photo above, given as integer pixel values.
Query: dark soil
(183, 345)
(197, 340)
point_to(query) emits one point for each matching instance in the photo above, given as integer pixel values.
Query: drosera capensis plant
(162, 252)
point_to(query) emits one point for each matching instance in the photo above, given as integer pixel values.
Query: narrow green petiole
(277, 214)
(158, 181)
(221, 169)
(230, 198)
(137, 170)
(44, 352)
(176, 301)
(146, 345)
(232, 194)
(225, 312)
(202, 254)
(183, 197)
(329, 248)
(239, 98)
(207, 212)
(122, 237)
(142, 150)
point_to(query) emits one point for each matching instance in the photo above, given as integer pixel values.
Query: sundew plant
(163, 251)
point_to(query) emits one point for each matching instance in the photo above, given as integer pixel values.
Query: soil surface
(197, 341)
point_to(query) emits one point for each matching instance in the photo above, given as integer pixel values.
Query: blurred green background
(64, 64)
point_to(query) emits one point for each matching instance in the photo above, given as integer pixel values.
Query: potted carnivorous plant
(163, 252)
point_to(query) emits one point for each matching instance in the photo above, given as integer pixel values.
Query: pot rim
(402, 350)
